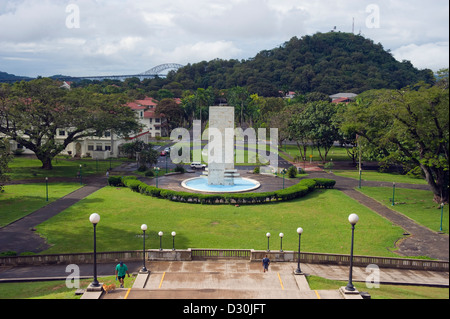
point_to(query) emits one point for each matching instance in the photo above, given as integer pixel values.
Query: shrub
(142, 168)
(115, 181)
(179, 169)
(324, 183)
(256, 170)
(292, 172)
(149, 173)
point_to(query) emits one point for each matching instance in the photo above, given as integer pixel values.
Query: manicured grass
(380, 177)
(322, 214)
(27, 168)
(18, 201)
(416, 204)
(335, 153)
(52, 289)
(384, 291)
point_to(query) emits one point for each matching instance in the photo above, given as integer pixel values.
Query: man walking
(121, 270)
(265, 263)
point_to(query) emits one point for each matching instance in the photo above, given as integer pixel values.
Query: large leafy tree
(32, 112)
(5, 158)
(410, 127)
(172, 112)
(314, 122)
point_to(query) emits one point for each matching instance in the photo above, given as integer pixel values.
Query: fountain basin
(201, 184)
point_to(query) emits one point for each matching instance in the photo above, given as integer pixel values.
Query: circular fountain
(220, 176)
(201, 184)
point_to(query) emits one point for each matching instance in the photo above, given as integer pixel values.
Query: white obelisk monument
(221, 146)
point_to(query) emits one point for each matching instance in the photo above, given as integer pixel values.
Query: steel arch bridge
(150, 74)
(158, 69)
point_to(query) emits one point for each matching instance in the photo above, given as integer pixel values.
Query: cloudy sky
(111, 37)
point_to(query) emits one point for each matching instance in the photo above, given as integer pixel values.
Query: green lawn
(416, 204)
(380, 177)
(18, 201)
(384, 292)
(52, 289)
(27, 168)
(335, 153)
(322, 214)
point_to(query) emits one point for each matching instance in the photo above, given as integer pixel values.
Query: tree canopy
(408, 126)
(32, 112)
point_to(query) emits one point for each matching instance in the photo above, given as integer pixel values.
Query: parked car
(198, 165)
(163, 153)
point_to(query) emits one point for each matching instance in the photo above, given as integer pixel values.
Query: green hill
(6, 77)
(325, 62)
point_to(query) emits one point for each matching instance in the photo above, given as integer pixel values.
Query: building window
(99, 147)
(156, 120)
(90, 147)
(108, 134)
(107, 147)
(62, 133)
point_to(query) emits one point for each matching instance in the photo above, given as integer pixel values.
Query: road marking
(317, 294)
(128, 292)
(162, 278)
(281, 282)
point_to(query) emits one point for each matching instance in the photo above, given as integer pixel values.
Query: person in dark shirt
(265, 263)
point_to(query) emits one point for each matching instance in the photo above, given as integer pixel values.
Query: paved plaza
(229, 279)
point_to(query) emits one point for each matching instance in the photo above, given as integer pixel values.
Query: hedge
(301, 189)
(324, 183)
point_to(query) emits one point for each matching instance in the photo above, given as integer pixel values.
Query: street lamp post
(281, 242)
(353, 219)
(268, 241)
(393, 194)
(166, 163)
(284, 173)
(298, 271)
(157, 174)
(144, 228)
(173, 240)
(81, 175)
(442, 215)
(46, 188)
(95, 219)
(160, 239)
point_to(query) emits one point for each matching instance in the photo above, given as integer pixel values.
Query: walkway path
(421, 241)
(19, 235)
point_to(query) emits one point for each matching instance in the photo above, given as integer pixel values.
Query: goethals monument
(220, 170)
(220, 176)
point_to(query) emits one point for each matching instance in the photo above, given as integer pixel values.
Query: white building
(109, 144)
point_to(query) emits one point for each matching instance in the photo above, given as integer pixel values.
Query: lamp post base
(298, 272)
(93, 287)
(346, 291)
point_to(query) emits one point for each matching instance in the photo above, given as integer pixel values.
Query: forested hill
(6, 77)
(325, 62)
